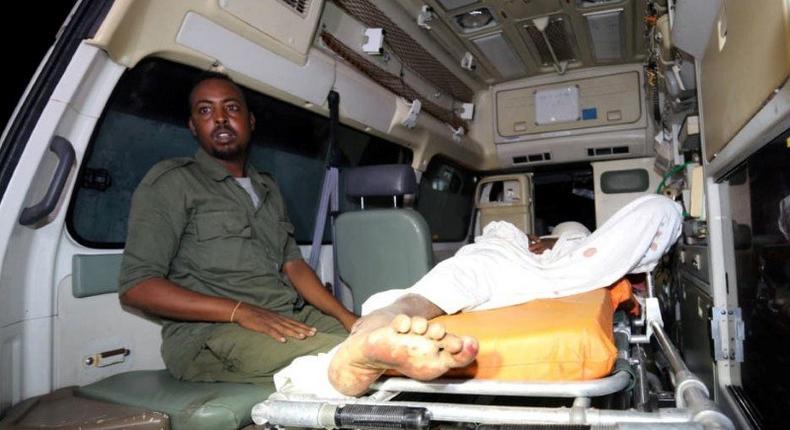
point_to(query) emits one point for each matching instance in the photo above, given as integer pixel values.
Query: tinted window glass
(760, 213)
(564, 195)
(445, 199)
(145, 122)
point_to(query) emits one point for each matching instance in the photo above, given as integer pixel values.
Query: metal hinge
(728, 321)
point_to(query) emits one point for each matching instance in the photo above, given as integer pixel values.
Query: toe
(436, 331)
(401, 323)
(464, 355)
(452, 344)
(468, 351)
(419, 325)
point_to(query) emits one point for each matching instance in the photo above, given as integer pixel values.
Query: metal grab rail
(690, 391)
(319, 413)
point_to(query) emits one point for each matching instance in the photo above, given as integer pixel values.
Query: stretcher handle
(382, 417)
(534, 427)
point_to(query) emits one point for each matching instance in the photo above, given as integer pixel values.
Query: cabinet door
(697, 344)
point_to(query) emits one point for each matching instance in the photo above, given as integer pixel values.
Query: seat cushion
(568, 338)
(190, 405)
(381, 249)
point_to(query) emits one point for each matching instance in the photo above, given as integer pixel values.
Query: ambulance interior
(533, 112)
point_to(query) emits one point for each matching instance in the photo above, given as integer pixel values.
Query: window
(564, 195)
(445, 199)
(760, 212)
(145, 122)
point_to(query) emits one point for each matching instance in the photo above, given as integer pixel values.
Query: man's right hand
(275, 325)
(538, 245)
(163, 298)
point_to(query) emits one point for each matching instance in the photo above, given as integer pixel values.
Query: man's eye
(203, 110)
(233, 108)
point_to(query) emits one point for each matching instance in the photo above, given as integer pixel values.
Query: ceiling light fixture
(475, 19)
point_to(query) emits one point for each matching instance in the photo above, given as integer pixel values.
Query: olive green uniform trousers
(234, 354)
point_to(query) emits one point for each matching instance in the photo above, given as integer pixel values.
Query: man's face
(220, 119)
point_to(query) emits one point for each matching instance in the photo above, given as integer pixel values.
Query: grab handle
(65, 152)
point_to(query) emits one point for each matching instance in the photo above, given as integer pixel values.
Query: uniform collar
(258, 179)
(211, 166)
(218, 172)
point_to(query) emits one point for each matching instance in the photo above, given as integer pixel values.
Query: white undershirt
(246, 183)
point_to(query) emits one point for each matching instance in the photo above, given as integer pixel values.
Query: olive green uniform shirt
(193, 224)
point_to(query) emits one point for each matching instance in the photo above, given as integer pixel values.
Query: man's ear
(252, 121)
(192, 127)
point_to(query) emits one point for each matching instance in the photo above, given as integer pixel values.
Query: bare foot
(412, 346)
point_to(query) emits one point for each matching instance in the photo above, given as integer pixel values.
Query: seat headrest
(380, 180)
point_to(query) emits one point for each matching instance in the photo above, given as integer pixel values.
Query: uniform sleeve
(291, 251)
(156, 223)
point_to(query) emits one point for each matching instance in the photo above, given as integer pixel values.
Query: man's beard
(228, 152)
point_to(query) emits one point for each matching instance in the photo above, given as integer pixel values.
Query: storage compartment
(695, 328)
(569, 105)
(589, 115)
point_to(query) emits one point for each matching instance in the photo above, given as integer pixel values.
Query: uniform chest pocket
(223, 243)
(218, 225)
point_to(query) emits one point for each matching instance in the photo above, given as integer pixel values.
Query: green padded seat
(381, 249)
(190, 405)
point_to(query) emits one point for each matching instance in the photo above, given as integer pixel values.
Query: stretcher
(561, 348)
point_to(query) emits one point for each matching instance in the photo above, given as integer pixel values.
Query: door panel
(28, 253)
(623, 181)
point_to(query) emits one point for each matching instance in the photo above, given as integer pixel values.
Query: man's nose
(220, 117)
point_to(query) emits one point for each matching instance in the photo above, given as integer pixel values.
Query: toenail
(589, 252)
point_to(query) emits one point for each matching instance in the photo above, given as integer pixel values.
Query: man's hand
(306, 282)
(538, 245)
(161, 297)
(275, 325)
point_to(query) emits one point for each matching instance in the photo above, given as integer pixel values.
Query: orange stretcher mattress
(567, 338)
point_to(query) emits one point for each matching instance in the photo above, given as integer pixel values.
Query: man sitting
(210, 250)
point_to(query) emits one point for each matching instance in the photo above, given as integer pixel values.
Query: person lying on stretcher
(497, 270)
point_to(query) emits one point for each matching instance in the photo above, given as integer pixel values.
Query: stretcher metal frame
(693, 407)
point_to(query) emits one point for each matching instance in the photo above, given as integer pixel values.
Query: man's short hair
(208, 75)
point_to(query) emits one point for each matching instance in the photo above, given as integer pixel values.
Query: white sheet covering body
(498, 270)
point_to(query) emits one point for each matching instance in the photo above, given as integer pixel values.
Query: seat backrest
(381, 249)
(506, 198)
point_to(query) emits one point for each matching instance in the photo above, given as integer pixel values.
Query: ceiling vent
(551, 41)
(606, 33)
(532, 158)
(496, 49)
(611, 150)
(593, 3)
(298, 6)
